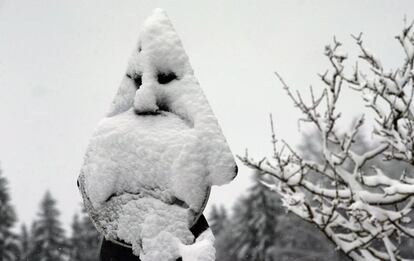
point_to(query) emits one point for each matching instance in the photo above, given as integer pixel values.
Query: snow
(202, 250)
(151, 162)
(158, 224)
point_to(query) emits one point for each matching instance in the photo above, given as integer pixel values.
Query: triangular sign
(159, 148)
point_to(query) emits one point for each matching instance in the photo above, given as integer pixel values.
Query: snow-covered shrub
(365, 210)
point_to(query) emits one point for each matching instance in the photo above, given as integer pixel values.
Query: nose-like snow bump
(145, 100)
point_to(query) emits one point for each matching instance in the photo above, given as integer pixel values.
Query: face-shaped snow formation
(159, 149)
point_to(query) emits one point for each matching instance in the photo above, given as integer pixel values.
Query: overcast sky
(61, 63)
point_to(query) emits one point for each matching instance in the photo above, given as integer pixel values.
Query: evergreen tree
(260, 228)
(225, 242)
(9, 249)
(221, 227)
(254, 224)
(218, 219)
(76, 241)
(47, 233)
(300, 240)
(92, 238)
(24, 244)
(84, 242)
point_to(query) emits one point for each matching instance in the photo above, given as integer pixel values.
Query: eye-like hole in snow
(137, 78)
(77, 183)
(164, 78)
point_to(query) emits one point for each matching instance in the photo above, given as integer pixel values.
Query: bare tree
(366, 212)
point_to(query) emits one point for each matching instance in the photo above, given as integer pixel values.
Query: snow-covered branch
(363, 209)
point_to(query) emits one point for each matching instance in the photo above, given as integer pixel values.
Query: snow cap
(162, 45)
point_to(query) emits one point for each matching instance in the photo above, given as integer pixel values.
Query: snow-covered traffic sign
(152, 160)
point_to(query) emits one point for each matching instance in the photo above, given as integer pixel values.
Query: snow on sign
(151, 162)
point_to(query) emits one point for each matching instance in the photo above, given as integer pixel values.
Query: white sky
(61, 63)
